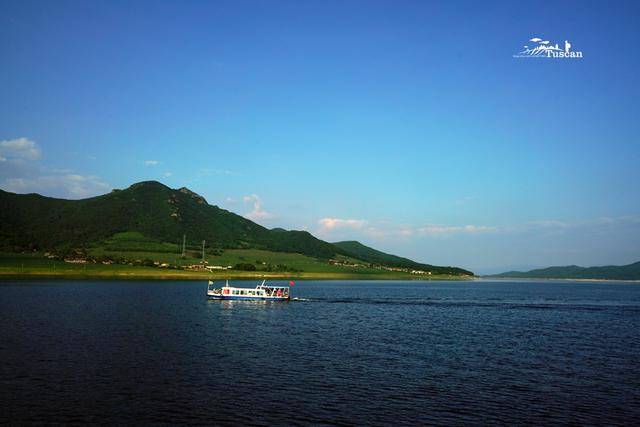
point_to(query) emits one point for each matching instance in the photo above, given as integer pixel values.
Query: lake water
(355, 353)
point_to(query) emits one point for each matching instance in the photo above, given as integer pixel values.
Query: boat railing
(271, 291)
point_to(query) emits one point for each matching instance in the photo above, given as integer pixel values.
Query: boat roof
(259, 287)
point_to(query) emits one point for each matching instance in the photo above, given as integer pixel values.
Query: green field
(135, 255)
(35, 265)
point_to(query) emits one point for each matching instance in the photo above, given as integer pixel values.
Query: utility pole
(184, 242)
(203, 251)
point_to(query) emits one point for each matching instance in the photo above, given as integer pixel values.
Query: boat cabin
(260, 292)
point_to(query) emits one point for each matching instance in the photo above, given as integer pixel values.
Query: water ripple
(397, 353)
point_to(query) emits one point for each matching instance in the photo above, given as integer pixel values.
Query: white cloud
(19, 148)
(167, 174)
(330, 224)
(3, 159)
(71, 186)
(257, 213)
(152, 162)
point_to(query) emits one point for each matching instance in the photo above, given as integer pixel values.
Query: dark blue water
(355, 353)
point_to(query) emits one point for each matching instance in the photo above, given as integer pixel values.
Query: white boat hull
(247, 297)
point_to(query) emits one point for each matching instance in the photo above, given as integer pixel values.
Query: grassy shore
(36, 266)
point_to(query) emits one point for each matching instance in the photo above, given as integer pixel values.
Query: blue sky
(408, 126)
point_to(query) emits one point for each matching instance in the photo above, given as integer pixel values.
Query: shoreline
(33, 266)
(552, 279)
(189, 276)
(13, 273)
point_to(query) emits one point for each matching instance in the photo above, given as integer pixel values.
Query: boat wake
(492, 303)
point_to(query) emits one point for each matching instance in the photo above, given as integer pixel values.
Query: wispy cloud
(257, 212)
(538, 242)
(167, 174)
(152, 162)
(432, 229)
(330, 224)
(211, 172)
(72, 186)
(381, 230)
(565, 226)
(23, 172)
(384, 230)
(19, 148)
(332, 227)
(465, 200)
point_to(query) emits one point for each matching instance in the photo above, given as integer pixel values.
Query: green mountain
(156, 211)
(161, 215)
(609, 272)
(365, 253)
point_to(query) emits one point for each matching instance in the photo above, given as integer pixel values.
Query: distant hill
(34, 222)
(609, 272)
(365, 253)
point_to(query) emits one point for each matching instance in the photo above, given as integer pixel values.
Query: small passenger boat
(262, 292)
